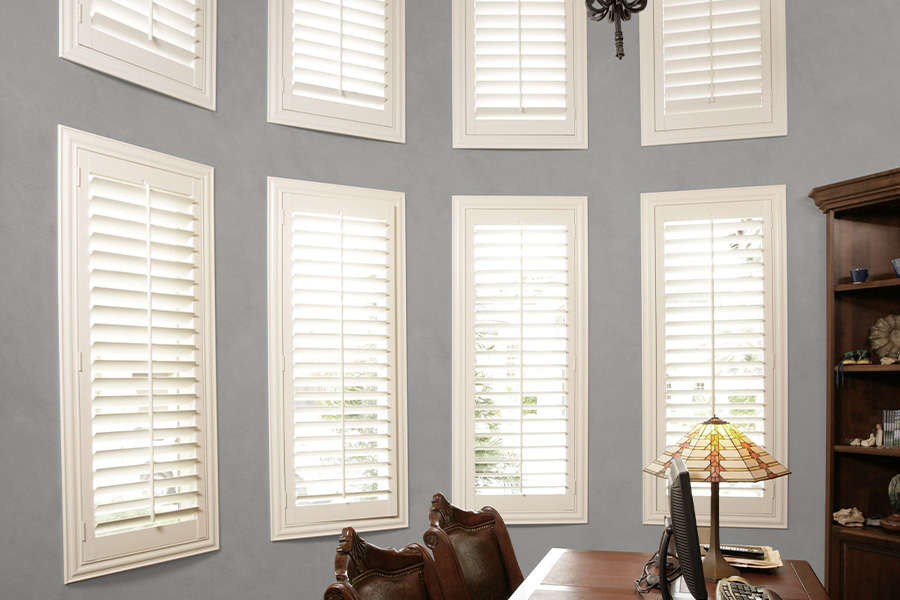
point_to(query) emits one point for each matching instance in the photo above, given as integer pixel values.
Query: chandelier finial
(615, 11)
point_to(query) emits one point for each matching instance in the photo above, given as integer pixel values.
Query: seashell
(884, 336)
(849, 517)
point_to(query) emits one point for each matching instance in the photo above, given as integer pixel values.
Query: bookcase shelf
(876, 368)
(867, 285)
(847, 449)
(863, 231)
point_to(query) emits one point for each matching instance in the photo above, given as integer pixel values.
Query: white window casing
(713, 70)
(337, 359)
(714, 303)
(339, 66)
(165, 45)
(520, 356)
(137, 356)
(519, 74)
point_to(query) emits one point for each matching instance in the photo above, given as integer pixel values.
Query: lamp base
(715, 567)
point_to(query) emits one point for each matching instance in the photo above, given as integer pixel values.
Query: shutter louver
(340, 51)
(521, 358)
(342, 359)
(521, 69)
(144, 370)
(715, 327)
(339, 66)
(165, 45)
(163, 36)
(715, 63)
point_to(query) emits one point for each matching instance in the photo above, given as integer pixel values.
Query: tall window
(519, 74)
(715, 332)
(165, 45)
(137, 348)
(339, 66)
(713, 70)
(520, 356)
(337, 358)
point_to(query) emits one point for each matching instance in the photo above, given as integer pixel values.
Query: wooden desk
(599, 575)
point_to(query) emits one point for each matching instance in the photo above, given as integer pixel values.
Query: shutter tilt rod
(150, 20)
(615, 11)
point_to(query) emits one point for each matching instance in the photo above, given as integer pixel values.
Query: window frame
(463, 489)
(72, 49)
(655, 134)
(75, 444)
(526, 139)
(281, 526)
(771, 511)
(321, 117)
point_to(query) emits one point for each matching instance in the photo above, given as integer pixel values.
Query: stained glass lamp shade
(715, 451)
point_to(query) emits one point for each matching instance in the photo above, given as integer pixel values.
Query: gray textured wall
(843, 87)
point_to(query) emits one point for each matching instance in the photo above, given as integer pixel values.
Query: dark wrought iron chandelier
(616, 11)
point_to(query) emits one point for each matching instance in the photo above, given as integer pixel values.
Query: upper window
(137, 356)
(712, 70)
(165, 45)
(715, 334)
(337, 359)
(519, 74)
(339, 66)
(520, 397)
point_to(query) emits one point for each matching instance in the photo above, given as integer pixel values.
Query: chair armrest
(340, 590)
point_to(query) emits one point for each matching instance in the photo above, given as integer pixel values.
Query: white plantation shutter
(521, 397)
(341, 65)
(521, 64)
(144, 404)
(519, 67)
(718, 328)
(340, 52)
(342, 396)
(167, 45)
(715, 310)
(714, 64)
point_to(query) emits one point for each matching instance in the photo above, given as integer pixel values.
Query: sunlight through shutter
(519, 311)
(339, 293)
(714, 63)
(521, 64)
(716, 325)
(521, 67)
(342, 358)
(145, 380)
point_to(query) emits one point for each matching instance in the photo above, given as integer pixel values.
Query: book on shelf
(890, 427)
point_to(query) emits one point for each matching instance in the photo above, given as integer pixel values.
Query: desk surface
(600, 575)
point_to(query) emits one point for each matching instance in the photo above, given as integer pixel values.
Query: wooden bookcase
(863, 229)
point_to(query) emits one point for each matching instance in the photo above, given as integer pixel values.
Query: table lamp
(716, 451)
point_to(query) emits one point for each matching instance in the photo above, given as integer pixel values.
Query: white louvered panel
(714, 62)
(715, 326)
(522, 70)
(340, 51)
(143, 337)
(162, 36)
(342, 359)
(521, 357)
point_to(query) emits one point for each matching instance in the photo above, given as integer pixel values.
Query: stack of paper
(770, 560)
